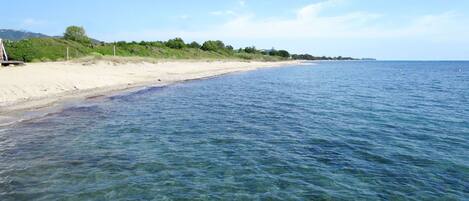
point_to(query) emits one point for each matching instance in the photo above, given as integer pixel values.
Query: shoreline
(30, 91)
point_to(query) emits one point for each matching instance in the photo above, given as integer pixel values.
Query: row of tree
(211, 45)
(78, 34)
(311, 57)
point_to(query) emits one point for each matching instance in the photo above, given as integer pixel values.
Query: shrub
(213, 45)
(250, 50)
(39, 48)
(77, 34)
(75, 39)
(284, 53)
(195, 45)
(176, 43)
(121, 43)
(280, 53)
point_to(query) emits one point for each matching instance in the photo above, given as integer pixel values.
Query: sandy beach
(38, 85)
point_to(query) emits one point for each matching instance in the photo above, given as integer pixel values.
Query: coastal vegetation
(76, 33)
(311, 57)
(80, 45)
(40, 48)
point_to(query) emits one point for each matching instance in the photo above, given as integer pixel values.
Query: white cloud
(313, 10)
(307, 23)
(310, 23)
(242, 3)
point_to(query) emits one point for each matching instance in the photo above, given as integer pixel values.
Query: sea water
(357, 130)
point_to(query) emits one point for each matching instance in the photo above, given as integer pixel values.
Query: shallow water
(332, 131)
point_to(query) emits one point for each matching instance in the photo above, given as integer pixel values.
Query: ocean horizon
(328, 130)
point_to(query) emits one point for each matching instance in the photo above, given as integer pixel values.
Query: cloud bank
(310, 22)
(315, 28)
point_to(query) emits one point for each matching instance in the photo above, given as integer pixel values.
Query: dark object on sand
(4, 57)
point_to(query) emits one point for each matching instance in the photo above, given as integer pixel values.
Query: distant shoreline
(39, 86)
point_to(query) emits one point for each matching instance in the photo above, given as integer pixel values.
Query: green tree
(283, 53)
(76, 33)
(195, 45)
(250, 50)
(176, 43)
(280, 53)
(213, 45)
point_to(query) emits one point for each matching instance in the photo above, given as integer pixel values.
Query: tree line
(311, 57)
(76, 42)
(78, 34)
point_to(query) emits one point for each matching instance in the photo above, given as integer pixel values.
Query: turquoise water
(332, 131)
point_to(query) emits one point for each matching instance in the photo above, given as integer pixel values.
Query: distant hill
(15, 35)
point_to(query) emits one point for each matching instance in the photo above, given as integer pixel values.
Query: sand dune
(38, 84)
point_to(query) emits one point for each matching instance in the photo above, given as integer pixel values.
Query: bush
(75, 39)
(39, 48)
(195, 45)
(280, 53)
(213, 45)
(250, 50)
(121, 43)
(77, 34)
(176, 43)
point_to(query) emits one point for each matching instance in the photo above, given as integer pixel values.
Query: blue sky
(383, 29)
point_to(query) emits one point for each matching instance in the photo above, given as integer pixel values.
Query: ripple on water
(333, 131)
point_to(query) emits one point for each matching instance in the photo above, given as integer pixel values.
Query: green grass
(44, 49)
(54, 49)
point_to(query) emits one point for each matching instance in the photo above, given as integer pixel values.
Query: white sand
(39, 84)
